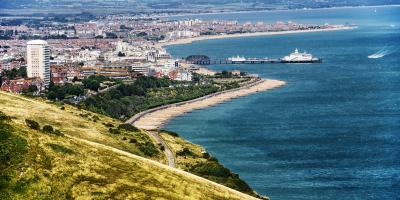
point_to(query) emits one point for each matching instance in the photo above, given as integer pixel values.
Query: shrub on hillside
(4, 117)
(148, 149)
(95, 118)
(206, 155)
(48, 129)
(58, 133)
(211, 158)
(32, 124)
(132, 140)
(216, 172)
(185, 152)
(128, 127)
(114, 131)
(173, 134)
(211, 168)
(109, 125)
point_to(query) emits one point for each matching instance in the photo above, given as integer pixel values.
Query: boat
(298, 57)
(237, 59)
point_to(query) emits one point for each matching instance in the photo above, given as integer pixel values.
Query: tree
(226, 74)
(120, 54)
(91, 84)
(31, 89)
(22, 72)
(141, 34)
(72, 89)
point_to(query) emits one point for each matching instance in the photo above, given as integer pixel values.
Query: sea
(333, 131)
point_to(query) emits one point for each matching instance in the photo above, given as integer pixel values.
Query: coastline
(280, 10)
(213, 37)
(157, 117)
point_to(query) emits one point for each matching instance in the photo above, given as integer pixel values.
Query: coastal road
(153, 118)
(168, 153)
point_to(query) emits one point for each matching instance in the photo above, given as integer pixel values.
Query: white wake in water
(383, 52)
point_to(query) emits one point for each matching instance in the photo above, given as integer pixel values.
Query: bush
(206, 155)
(211, 168)
(4, 117)
(114, 131)
(109, 125)
(48, 129)
(95, 118)
(148, 149)
(128, 127)
(185, 152)
(58, 133)
(32, 124)
(213, 159)
(132, 140)
(173, 134)
(91, 84)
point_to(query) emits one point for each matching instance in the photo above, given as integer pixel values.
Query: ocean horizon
(332, 132)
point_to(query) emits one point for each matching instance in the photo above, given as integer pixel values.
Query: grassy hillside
(194, 159)
(80, 123)
(82, 158)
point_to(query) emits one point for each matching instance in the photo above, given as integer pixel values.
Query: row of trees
(69, 90)
(146, 92)
(64, 92)
(13, 74)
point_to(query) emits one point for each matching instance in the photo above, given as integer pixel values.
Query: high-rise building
(38, 60)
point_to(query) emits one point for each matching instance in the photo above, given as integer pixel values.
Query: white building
(38, 60)
(142, 68)
(181, 34)
(183, 75)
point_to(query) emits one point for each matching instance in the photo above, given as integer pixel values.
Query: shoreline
(280, 10)
(239, 35)
(155, 118)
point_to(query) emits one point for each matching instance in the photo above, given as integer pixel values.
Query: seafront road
(152, 119)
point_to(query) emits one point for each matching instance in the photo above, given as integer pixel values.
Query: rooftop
(37, 42)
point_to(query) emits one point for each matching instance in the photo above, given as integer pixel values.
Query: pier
(209, 61)
(247, 61)
(206, 60)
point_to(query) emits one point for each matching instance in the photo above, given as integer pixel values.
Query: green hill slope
(82, 158)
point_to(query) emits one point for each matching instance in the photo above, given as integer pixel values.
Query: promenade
(157, 117)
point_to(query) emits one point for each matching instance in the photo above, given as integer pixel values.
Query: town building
(38, 60)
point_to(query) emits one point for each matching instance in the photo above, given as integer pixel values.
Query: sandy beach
(156, 118)
(212, 37)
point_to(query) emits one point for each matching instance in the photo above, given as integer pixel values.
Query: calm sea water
(333, 132)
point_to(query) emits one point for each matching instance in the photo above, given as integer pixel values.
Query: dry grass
(178, 144)
(93, 166)
(72, 121)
